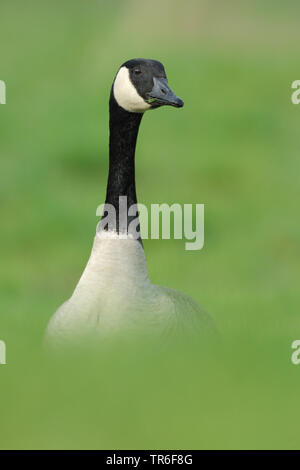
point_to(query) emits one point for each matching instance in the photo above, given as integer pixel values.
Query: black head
(142, 84)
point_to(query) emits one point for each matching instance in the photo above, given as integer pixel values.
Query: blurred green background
(234, 147)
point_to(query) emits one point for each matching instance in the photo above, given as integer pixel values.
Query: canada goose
(114, 292)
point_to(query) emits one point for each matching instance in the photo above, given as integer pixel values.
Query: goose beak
(161, 94)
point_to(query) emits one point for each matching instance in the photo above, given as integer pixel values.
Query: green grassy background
(234, 147)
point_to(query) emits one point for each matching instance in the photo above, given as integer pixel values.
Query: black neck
(123, 127)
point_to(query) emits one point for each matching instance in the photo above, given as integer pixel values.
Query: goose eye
(137, 72)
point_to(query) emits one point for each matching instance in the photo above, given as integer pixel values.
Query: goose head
(142, 84)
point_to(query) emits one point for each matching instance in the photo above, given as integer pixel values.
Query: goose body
(114, 293)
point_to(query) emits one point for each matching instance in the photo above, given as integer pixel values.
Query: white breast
(113, 293)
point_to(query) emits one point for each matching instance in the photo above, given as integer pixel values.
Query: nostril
(164, 91)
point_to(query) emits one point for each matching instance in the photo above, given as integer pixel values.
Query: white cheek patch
(126, 95)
